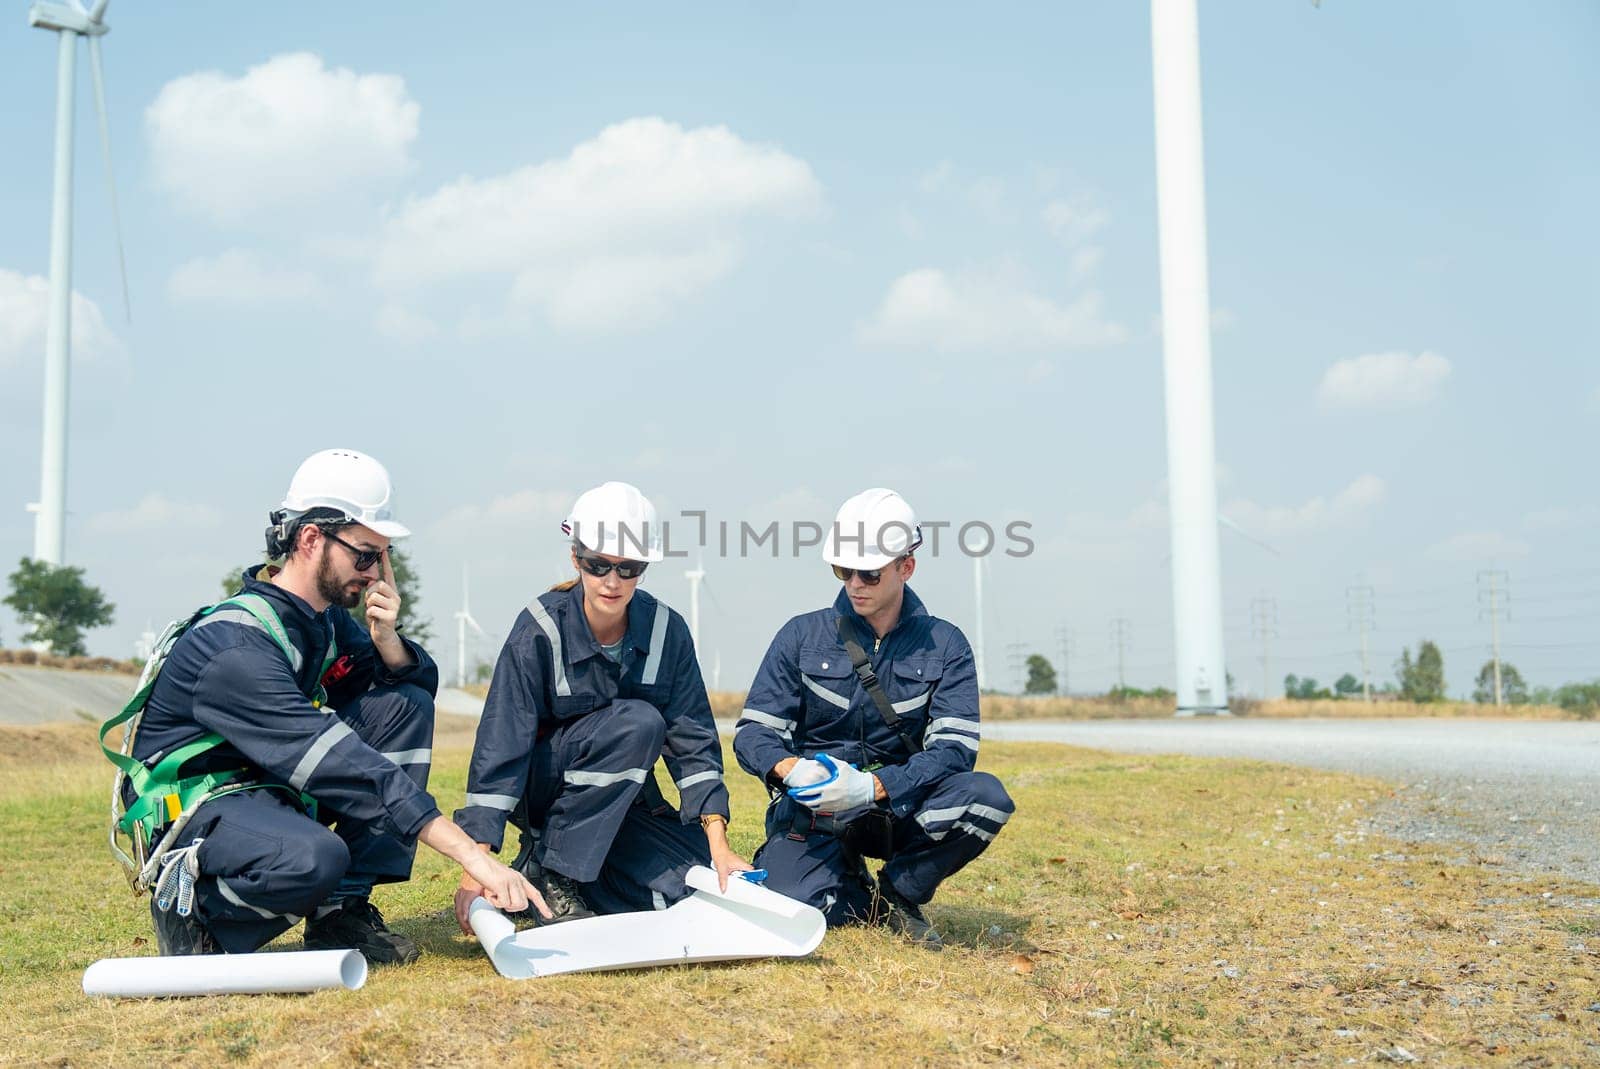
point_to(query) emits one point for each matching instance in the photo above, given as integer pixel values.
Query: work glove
(806, 772)
(847, 787)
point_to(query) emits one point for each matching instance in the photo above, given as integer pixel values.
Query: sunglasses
(869, 576)
(364, 558)
(599, 567)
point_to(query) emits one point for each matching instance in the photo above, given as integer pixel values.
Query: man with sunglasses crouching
(863, 722)
(317, 731)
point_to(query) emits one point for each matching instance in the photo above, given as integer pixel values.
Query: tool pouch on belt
(871, 834)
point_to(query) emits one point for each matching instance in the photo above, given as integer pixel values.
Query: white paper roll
(287, 972)
(748, 921)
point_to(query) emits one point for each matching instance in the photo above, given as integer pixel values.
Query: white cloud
(1075, 219)
(403, 326)
(24, 311)
(521, 515)
(1471, 546)
(1383, 380)
(640, 217)
(930, 309)
(619, 291)
(1319, 513)
(289, 132)
(1562, 519)
(239, 277)
(154, 513)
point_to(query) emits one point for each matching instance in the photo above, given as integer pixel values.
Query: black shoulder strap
(869, 679)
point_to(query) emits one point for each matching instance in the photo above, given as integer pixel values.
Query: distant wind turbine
(69, 21)
(463, 621)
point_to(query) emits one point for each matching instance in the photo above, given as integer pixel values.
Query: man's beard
(329, 587)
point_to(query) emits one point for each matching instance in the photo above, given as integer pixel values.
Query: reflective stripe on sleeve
(699, 777)
(943, 723)
(503, 802)
(784, 728)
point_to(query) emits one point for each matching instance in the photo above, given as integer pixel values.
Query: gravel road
(1520, 791)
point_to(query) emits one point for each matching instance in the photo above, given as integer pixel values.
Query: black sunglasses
(364, 558)
(869, 576)
(599, 566)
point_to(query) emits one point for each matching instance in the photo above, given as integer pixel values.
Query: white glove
(846, 788)
(806, 772)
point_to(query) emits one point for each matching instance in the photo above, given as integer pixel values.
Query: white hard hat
(349, 482)
(872, 529)
(617, 520)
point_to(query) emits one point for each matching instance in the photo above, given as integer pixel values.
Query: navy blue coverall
(807, 700)
(569, 736)
(364, 757)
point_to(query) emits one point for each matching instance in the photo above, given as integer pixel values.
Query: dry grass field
(1137, 911)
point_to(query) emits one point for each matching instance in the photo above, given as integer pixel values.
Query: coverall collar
(910, 605)
(578, 638)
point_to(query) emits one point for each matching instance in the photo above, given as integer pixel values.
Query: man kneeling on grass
(284, 749)
(870, 754)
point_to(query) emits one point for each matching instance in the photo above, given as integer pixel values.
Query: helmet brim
(388, 528)
(862, 561)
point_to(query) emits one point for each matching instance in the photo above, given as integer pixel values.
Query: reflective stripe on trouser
(970, 808)
(395, 720)
(264, 865)
(585, 777)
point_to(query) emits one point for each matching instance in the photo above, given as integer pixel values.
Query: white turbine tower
(977, 635)
(70, 22)
(463, 621)
(1186, 341)
(696, 576)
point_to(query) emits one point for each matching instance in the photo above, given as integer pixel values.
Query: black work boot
(177, 935)
(356, 924)
(899, 914)
(563, 895)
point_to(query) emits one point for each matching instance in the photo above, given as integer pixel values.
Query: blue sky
(754, 260)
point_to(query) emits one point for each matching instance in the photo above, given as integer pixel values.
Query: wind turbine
(696, 576)
(463, 620)
(1186, 343)
(70, 22)
(977, 635)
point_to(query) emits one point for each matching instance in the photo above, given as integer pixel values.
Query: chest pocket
(829, 683)
(910, 688)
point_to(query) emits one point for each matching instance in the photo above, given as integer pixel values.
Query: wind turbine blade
(712, 594)
(97, 12)
(105, 148)
(475, 626)
(1246, 535)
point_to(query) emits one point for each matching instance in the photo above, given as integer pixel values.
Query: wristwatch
(708, 819)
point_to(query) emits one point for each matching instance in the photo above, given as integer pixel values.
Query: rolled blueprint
(287, 972)
(746, 921)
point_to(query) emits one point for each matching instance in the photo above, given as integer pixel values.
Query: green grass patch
(1137, 911)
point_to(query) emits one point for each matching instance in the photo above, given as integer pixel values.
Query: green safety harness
(164, 799)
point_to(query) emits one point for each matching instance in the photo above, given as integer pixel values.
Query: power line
(1264, 625)
(1119, 636)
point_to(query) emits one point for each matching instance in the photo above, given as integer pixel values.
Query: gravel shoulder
(1518, 793)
